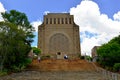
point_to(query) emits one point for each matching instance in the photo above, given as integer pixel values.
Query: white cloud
(117, 16)
(2, 9)
(88, 16)
(46, 12)
(35, 24)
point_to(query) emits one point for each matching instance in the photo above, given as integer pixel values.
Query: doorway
(59, 55)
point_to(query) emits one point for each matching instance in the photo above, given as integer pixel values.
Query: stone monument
(58, 35)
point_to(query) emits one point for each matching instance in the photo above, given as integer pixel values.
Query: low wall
(107, 75)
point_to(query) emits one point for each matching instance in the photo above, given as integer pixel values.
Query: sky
(98, 20)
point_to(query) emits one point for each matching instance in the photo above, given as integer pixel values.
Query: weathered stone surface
(62, 65)
(59, 34)
(59, 75)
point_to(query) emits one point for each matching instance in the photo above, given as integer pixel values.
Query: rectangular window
(66, 21)
(62, 21)
(70, 21)
(50, 20)
(54, 20)
(58, 20)
(46, 20)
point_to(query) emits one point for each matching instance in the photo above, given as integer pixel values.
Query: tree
(10, 37)
(37, 51)
(16, 35)
(109, 53)
(20, 19)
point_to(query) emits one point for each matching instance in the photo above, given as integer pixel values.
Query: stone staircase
(62, 65)
(52, 69)
(75, 69)
(59, 70)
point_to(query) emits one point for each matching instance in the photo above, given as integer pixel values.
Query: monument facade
(58, 35)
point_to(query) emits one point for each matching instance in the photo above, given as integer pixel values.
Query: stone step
(54, 75)
(62, 65)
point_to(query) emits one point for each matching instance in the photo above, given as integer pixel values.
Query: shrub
(45, 57)
(3, 73)
(82, 57)
(21, 66)
(116, 67)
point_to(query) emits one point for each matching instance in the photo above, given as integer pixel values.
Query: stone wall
(59, 34)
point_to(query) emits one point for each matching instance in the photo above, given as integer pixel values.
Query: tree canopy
(109, 53)
(21, 20)
(37, 51)
(16, 35)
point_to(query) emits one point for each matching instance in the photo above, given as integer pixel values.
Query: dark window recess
(54, 20)
(58, 53)
(58, 20)
(46, 20)
(70, 21)
(62, 21)
(66, 21)
(50, 20)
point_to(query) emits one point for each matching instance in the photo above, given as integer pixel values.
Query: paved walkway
(58, 70)
(58, 75)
